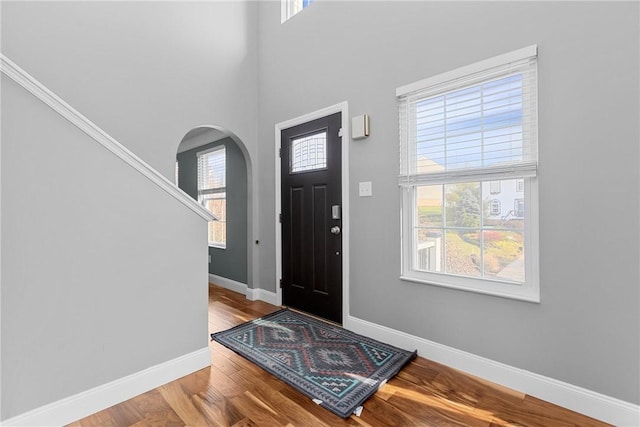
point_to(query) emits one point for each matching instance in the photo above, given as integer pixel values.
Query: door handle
(335, 230)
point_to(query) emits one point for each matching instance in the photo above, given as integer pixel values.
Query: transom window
(212, 192)
(291, 7)
(468, 163)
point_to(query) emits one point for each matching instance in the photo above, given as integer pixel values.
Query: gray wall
(103, 273)
(84, 305)
(149, 71)
(144, 71)
(230, 262)
(586, 331)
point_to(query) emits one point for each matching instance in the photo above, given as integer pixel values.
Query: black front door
(311, 217)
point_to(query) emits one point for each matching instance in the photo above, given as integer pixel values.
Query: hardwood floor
(234, 392)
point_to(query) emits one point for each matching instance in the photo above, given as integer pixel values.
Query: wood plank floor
(234, 392)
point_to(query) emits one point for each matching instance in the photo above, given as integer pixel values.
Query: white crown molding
(578, 399)
(89, 402)
(28, 82)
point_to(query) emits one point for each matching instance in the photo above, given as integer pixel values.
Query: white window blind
(212, 191)
(211, 171)
(467, 138)
(474, 123)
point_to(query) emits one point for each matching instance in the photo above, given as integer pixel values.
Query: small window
(495, 187)
(212, 194)
(291, 7)
(468, 148)
(309, 153)
(494, 209)
(518, 210)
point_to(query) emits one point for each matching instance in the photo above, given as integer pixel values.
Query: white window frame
(204, 194)
(530, 289)
(289, 8)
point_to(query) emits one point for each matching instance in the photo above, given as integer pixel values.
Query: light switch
(365, 189)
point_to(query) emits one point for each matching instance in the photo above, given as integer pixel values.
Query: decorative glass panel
(309, 153)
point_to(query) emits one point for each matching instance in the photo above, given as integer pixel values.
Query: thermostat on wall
(360, 127)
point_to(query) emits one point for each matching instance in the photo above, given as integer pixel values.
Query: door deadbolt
(335, 230)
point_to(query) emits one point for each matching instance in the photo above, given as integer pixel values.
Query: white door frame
(343, 108)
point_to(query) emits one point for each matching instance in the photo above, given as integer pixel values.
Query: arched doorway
(230, 239)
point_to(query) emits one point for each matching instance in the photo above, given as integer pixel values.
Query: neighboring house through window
(519, 208)
(212, 192)
(495, 207)
(468, 138)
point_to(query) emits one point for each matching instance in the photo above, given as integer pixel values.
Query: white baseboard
(578, 399)
(241, 288)
(262, 295)
(232, 285)
(89, 402)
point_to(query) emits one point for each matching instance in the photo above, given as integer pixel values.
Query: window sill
(521, 293)
(211, 245)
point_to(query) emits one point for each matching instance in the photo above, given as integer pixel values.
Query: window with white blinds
(458, 126)
(212, 192)
(468, 149)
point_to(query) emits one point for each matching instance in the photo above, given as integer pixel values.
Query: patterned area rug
(336, 368)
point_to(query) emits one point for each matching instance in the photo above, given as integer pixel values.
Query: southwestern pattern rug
(336, 368)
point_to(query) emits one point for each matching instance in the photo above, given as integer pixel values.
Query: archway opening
(214, 167)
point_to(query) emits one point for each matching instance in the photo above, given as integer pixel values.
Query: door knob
(335, 230)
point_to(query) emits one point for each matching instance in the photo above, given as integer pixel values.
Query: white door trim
(343, 108)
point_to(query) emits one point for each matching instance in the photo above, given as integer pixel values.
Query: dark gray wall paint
(586, 331)
(230, 262)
